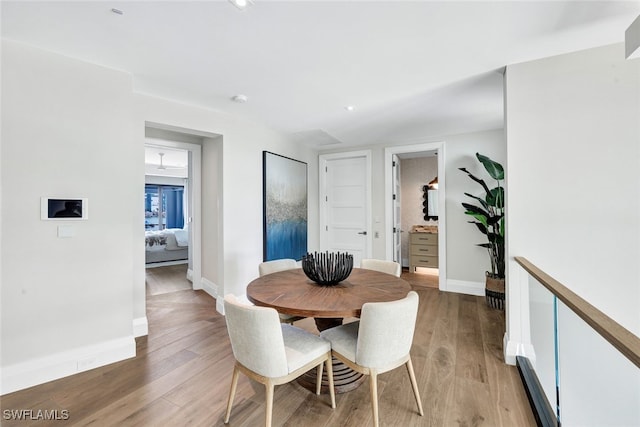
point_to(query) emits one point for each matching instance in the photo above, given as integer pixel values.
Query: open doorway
(204, 191)
(417, 212)
(172, 201)
(418, 239)
(167, 206)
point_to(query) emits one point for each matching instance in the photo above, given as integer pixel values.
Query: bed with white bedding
(171, 244)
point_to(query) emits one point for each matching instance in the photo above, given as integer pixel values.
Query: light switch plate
(66, 231)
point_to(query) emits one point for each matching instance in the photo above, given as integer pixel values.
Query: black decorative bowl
(327, 269)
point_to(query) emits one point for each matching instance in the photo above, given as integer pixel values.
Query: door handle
(363, 233)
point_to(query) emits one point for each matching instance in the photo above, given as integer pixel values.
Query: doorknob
(363, 232)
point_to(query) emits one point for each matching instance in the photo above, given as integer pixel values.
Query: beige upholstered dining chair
(378, 343)
(389, 267)
(274, 266)
(272, 353)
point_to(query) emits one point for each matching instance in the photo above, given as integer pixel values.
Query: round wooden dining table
(292, 292)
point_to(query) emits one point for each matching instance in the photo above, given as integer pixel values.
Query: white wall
(467, 262)
(71, 128)
(212, 198)
(573, 195)
(66, 132)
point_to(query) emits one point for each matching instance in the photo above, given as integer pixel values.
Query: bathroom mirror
(430, 203)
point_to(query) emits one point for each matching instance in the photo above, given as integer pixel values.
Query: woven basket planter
(494, 292)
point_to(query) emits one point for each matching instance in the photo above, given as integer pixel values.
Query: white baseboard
(465, 287)
(209, 287)
(44, 369)
(212, 289)
(190, 275)
(140, 327)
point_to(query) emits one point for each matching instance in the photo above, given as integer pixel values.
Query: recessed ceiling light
(240, 98)
(350, 108)
(241, 4)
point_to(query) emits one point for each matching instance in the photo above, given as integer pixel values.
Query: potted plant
(489, 219)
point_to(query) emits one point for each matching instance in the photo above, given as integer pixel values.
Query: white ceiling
(175, 161)
(412, 70)
(171, 156)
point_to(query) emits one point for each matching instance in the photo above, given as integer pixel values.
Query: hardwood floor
(182, 372)
(171, 278)
(427, 278)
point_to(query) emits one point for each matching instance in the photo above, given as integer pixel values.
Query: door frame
(439, 147)
(322, 195)
(396, 202)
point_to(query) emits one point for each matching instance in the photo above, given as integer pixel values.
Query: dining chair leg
(232, 392)
(373, 385)
(319, 379)
(269, 409)
(414, 385)
(332, 393)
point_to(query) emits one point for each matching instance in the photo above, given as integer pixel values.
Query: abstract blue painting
(285, 207)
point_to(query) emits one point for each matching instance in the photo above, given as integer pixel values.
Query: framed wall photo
(58, 208)
(284, 207)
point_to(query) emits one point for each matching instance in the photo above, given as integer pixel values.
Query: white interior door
(397, 217)
(345, 204)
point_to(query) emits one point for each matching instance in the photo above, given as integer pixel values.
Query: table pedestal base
(344, 378)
